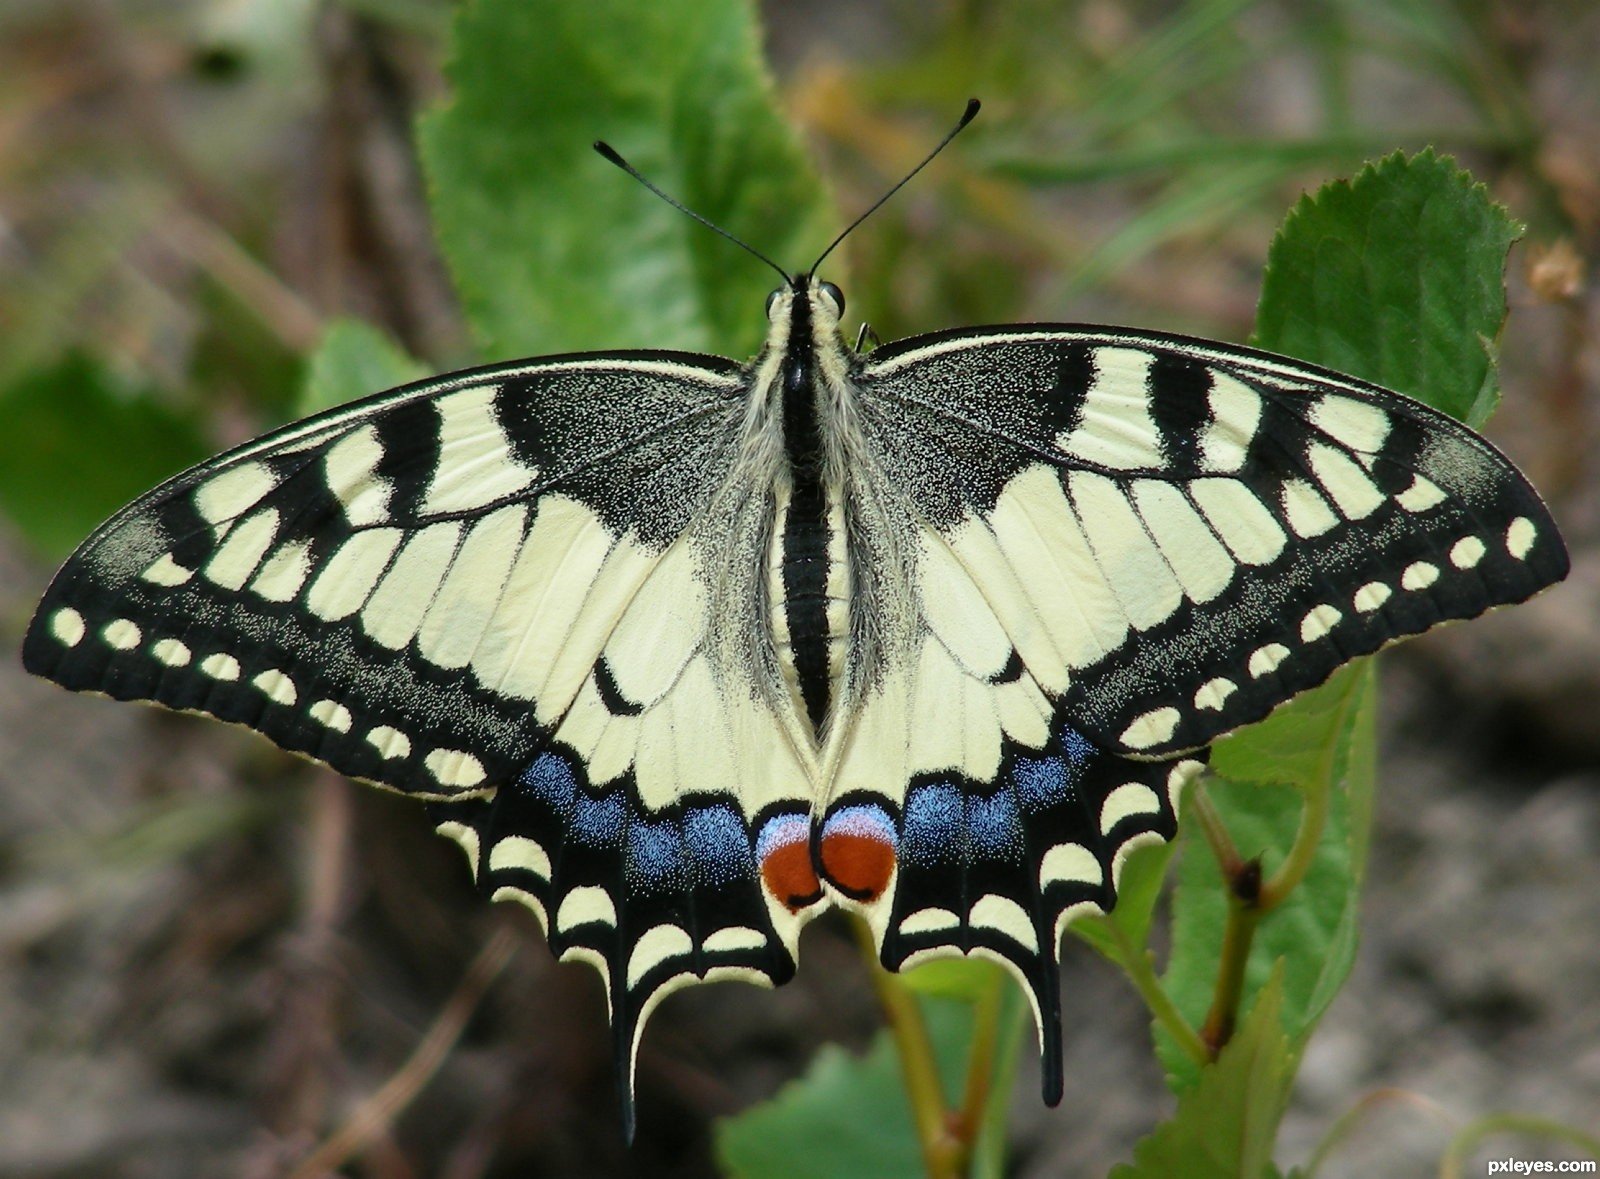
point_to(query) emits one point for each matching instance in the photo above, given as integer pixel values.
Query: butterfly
(684, 652)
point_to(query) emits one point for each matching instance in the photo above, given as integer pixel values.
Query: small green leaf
(1323, 742)
(848, 1115)
(953, 978)
(354, 360)
(1138, 890)
(1226, 1124)
(77, 445)
(1397, 277)
(555, 250)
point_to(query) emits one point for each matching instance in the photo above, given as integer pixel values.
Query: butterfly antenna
(610, 153)
(973, 106)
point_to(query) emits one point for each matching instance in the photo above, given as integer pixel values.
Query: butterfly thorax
(794, 503)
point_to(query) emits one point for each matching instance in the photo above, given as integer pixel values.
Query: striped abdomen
(808, 582)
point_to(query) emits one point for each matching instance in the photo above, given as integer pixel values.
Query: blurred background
(212, 956)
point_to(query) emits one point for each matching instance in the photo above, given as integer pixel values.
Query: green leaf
(848, 1115)
(77, 445)
(1321, 744)
(953, 978)
(1225, 1126)
(1396, 277)
(555, 250)
(1138, 890)
(354, 360)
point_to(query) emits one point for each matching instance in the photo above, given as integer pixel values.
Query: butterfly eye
(834, 295)
(772, 301)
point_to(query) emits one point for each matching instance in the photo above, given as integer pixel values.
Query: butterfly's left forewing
(487, 590)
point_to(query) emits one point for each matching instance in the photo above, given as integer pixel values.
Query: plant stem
(943, 1153)
(1244, 913)
(1139, 965)
(1461, 1145)
(980, 1058)
(1313, 815)
(1215, 831)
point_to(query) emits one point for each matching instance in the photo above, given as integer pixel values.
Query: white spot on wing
(350, 467)
(1419, 576)
(1004, 915)
(1370, 596)
(278, 687)
(1131, 798)
(454, 767)
(237, 557)
(1235, 414)
(464, 835)
(583, 905)
(123, 634)
(655, 946)
(165, 571)
(1352, 491)
(225, 496)
(1467, 552)
(1150, 728)
(522, 853)
(221, 667)
(1214, 693)
(1319, 620)
(734, 937)
(171, 652)
(1072, 863)
(389, 742)
(1138, 574)
(332, 714)
(1420, 496)
(67, 626)
(1519, 537)
(1307, 512)
(1202, 565)
(283, 573)
(1239, 517)
(1356, 424)
(397, 607)
(348, 577)
(1265, 660)
(931, 920)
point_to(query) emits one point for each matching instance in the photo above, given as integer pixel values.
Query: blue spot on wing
(995, 827)
(656, 859)
(718, 845)
(932, 830)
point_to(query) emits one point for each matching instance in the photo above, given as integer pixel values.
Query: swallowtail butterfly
(684, 651)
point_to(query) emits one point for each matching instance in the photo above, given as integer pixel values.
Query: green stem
(943, 1153)
(1464, 1141)
(1313, 816)
(980, 1058)
(1139, 965)
(1213, 828)
(1243, 915)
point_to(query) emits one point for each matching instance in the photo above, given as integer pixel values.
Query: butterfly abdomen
(809, 584)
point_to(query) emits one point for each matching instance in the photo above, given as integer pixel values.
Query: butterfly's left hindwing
(486, 590)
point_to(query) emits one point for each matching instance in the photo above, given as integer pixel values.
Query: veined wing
(1176, 535)
(485, 590)
(1126, 545)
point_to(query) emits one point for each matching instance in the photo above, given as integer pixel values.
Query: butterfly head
(823, 300)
